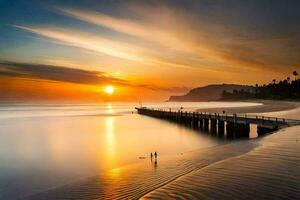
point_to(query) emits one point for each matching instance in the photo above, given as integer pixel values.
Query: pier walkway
(235, 125)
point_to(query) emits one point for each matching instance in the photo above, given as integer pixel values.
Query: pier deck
(235, 124)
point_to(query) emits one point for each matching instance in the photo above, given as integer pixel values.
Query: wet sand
(267, 106)
(263, 168)
(134, 181)
(270, 171)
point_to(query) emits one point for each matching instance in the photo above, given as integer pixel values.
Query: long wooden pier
(232, 125)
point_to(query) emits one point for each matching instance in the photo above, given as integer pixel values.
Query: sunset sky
(67, 50)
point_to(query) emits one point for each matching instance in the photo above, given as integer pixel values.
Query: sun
(109, 89)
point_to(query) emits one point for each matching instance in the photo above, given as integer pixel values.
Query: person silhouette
(151, 156)
(155, 161)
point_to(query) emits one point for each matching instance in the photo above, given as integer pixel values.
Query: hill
(209, 92)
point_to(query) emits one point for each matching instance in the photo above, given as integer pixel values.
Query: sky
(67, 50)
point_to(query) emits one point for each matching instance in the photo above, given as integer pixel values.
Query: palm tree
(295, 73)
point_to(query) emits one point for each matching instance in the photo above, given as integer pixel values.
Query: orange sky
(26, 90)
(147, 51)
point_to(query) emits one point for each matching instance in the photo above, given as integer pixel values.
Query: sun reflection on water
(110, 141)
(114, 172)
(109, 109)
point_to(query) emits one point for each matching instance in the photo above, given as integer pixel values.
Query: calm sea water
(45, 146)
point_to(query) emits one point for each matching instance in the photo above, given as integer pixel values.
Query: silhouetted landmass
(210, 92)
(282, 90)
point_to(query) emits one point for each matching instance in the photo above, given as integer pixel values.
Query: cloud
(198, 45)
(102, 45)
(183, 35)
(173, 39)
(165, 89)
(171, 36)
(55, 73)
(40, 72)
(184, 42)
(210, 36)
(138, 28)
(88, 42)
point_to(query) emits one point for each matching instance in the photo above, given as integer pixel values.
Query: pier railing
(220, 121)
(255, 119)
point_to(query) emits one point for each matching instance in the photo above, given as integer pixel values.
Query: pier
(233, 125)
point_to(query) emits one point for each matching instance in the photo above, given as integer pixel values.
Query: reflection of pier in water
(231, 126)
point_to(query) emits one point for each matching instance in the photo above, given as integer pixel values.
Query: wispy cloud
(89, 42)
(203, 39)
(172, 44)
(55, 73)
(181, 35)
(141, 29)
(101, 45)
(189, 47)
(171, 36)
(41, 72)
(174, 38)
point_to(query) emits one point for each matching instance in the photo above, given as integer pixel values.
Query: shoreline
(267, 106)
(125, 182)
(158, 181)
(267, 172)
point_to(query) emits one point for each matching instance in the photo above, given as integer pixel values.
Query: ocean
(45, 146)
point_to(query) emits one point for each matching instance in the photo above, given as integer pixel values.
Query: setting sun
(131, 95)
(109, 89)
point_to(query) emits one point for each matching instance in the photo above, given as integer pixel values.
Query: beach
(47, 146)
(151, 99)
(271, 171)
(261, 168)
(264, 107)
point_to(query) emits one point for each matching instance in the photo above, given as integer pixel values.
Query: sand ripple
(232, 171)
(134, 181)
(271, 171)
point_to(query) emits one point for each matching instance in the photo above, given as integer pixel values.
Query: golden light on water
(110, 141)
(109, 89)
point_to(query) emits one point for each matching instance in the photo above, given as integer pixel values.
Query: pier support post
(236, 126)
(230, 129)
(237, 129)
(196, 121)
(243, 130)
(221, 125)
(185, 118)
(201, 123)
(213, 126)
(263, 129)
(206, 124)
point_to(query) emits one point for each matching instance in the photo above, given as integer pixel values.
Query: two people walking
(155, 156)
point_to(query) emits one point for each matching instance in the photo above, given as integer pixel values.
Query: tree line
(278, 90)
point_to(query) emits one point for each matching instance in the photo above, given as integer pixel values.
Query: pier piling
(236, 126)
